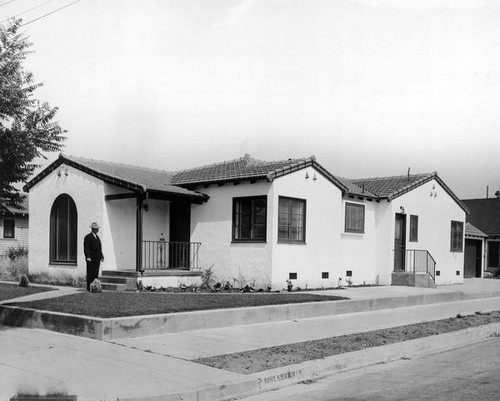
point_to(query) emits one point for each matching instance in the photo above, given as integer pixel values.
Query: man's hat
(94, 225)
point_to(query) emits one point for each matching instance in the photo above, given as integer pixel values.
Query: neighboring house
(13, 227)
(254, 222)
(475, 246)
(485, 216)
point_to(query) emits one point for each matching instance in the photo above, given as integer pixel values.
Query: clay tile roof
(353, 189)
(150, 178)
(484, 214)
(138, 179)
(385, 187)
(243, 168)
(392, 187)
(143, 179)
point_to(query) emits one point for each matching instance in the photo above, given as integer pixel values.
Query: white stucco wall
(88, 195)
(120, 217)
(384, 258)
(118, 230)
(211, 224)
(434, 228)
(322, 249)
(358, 253)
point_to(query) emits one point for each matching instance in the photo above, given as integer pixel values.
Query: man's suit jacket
(92, 248)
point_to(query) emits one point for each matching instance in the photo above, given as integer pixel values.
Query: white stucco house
(252, 221)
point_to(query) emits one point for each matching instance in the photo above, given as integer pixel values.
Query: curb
(138, 326)
(313, 370)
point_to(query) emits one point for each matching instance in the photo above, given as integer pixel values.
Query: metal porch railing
(170, 255)
(416, 261)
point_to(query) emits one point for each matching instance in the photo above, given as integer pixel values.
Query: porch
(162, 226)
(164, 264)
(414, 268)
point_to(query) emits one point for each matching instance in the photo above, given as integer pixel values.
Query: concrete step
(119, 273)
(116, 280)
(408, 279)
(114, 287)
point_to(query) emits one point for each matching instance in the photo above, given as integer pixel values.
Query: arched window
(63, 231)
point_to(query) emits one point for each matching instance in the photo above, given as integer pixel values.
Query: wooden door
(472, 258)
(400, 242)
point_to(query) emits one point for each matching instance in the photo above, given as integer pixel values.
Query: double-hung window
(457, 236)
(354, 218)
(9, 228)
(292, 220)
(250, 219)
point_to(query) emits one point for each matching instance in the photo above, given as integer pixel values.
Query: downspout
(139, 232)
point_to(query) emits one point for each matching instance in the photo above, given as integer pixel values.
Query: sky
(371, 88)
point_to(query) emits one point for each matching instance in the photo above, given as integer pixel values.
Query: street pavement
(463, 374)
(159, 367)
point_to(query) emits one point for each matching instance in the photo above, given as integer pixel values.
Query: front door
(180, 235)
(472, 258)
(400, 242)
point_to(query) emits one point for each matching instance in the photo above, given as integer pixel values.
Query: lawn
(120, 304)
(11, 291)
(284, 355)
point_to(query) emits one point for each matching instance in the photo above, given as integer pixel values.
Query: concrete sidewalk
(57, 291)
(159, 367)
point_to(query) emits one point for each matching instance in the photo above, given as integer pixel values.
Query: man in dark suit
(93, 253)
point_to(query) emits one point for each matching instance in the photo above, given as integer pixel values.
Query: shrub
(207, 278)
(24, 281)
(20, 252)
(18, 267)
(12, 270)
(64, 279)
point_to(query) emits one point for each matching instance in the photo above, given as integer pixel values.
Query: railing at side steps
(163, 254)
(417, 261)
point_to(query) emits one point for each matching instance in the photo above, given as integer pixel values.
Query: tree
(27, 129)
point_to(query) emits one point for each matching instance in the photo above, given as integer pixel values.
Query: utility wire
(7, 2)
(52, 12)
(28, 10)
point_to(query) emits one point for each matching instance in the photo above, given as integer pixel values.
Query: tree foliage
(27, 129)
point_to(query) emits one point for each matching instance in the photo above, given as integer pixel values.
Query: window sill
(63, 264)
(248, 241)
(292, 242)
(353, 233)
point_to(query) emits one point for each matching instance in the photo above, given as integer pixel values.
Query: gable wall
(322, 249)
(434, 228)
(211, 224)
(359, 250)
(88, 194)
